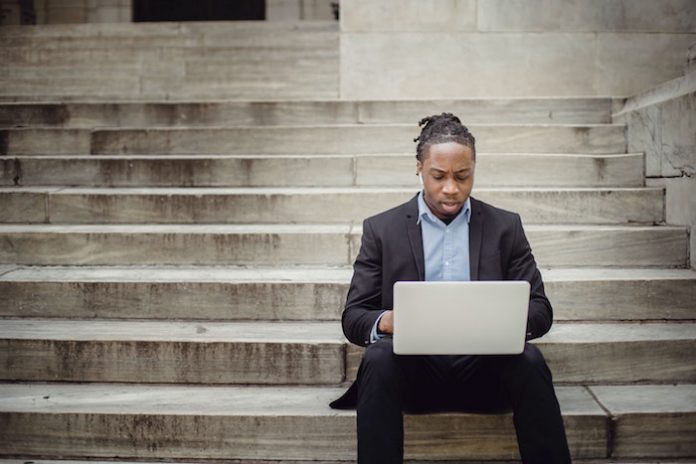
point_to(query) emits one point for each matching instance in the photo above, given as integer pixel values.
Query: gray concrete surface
(228, 113)
(221, 422)
(300, 293)
(317, 205)
(637, 434)
(567, 246)
(492, 170)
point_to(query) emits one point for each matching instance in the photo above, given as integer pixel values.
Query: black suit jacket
(392, 250)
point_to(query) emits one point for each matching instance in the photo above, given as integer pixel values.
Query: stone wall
(481, 48)
(662, 123)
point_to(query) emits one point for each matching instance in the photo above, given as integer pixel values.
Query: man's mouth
(450, 206)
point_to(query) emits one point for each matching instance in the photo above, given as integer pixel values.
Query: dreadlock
(441, 128)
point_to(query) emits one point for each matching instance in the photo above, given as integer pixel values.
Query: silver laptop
(481, 317)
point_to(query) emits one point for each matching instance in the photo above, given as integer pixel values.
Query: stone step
(249, 113)
(173, 57)
(305, 352)
(636, 431)
(493, 170)
(118, 31)
(259, 38)
(324, 461)
(150, 88)
(311, 205)
(261, 423)
(307, 293)
(332, 245)
(173, 352)
(340, 139)
(596, 353)
(287, 86)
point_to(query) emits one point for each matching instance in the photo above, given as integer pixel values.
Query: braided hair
(442, 128)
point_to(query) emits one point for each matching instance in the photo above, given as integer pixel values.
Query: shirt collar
(424, 210)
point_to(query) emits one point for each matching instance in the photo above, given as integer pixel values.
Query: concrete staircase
(172, 273)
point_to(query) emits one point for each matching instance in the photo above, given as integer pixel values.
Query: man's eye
(462, 178)
(438, 177)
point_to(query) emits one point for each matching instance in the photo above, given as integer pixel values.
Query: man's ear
(419, 167)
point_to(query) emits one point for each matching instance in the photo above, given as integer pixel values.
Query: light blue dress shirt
(445, 248)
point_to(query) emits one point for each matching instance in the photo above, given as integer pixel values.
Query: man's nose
(450, 186)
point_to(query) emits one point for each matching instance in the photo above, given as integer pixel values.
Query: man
(444, 234)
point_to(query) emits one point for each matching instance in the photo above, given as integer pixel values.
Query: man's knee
(379, 355)
(529, 364)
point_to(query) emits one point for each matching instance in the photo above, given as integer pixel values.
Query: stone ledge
(251, 423)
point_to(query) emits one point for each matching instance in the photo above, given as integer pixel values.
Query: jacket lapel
(475, 236)
(415, 237)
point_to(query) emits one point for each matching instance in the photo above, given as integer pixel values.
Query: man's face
(447, 171)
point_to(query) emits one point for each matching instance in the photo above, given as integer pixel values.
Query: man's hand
(386, 323)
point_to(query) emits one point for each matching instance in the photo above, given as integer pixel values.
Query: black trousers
(390, 384)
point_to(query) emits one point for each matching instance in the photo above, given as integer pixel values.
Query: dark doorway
(199, 10)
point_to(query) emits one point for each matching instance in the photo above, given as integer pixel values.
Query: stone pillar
(662, 124)
(299, 10)
(511, 48)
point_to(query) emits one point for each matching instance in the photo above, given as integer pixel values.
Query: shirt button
(446, 263)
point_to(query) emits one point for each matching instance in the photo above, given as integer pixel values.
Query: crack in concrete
(611, 424)
(18, 173)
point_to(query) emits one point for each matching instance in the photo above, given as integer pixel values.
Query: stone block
(74, 13)
(680, 200)
(283, 10)
(41, 88)
(637, 431)
(621, 72)
(26, 207)
(109, 14)
(8, 172)
(194, 171)
(620, 353)
(526, 64)
(643, 132)
(175, 245)
(315, 301)
(678, 119)
(42, 141)
(608, 246)
(408, 15)
(621, 294)
(665, 16)
(172, 352)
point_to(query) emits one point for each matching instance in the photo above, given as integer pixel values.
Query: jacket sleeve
(363, 303)
(522, 266)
